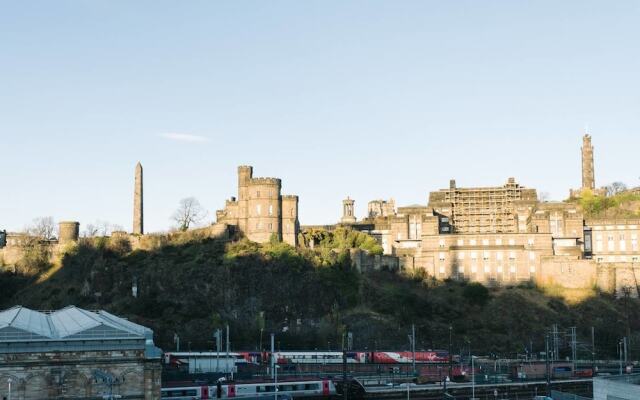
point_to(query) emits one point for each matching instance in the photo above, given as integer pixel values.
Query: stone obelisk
(138, 226)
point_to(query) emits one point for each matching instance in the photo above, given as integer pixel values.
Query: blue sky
(371, 99)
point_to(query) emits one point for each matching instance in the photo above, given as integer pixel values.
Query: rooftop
(25, 330)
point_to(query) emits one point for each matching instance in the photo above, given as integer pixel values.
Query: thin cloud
(185, 137)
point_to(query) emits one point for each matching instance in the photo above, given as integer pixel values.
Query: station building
(76, 354)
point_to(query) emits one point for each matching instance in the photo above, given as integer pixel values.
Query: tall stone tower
(348, 211)
(588, 174)
(138, 216)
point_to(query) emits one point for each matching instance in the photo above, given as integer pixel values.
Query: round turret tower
(69, 231)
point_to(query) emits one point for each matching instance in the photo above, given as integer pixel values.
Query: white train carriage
(293, 389)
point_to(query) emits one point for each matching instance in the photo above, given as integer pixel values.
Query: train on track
(321, 388)
(320, 357)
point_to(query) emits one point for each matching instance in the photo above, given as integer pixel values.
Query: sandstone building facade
(76, 354)
(504, 235)
(261, 211)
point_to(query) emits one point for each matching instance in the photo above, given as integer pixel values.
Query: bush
(476, 293)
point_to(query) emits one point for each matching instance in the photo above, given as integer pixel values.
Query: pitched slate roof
(70, 324)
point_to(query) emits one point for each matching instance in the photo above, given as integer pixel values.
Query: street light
(473, 379)
(9, 381)
(275, 374)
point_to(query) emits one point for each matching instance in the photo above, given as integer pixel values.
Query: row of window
(486, 242)
(259, 210)
(618, 258)
(486, 269)
(611, 245)
(486, 255)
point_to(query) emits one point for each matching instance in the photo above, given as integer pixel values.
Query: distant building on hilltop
(260, 211)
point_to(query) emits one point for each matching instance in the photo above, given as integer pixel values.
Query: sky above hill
(367, 99)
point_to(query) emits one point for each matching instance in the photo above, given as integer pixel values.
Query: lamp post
(9, 381)
(275, 374)
(473, 379)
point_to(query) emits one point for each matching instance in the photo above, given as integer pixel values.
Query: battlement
(289, 197)
(266, 181)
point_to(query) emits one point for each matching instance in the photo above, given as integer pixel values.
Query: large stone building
(504, 235)
(260, 211)
(76, 354)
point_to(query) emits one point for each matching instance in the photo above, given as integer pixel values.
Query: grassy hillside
(621, 205)
(192, 285)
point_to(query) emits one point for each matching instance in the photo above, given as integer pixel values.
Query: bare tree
(43, 228)
(615, 188)
(101, 228)
(189, 212)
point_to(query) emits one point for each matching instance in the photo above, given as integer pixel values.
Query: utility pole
(450, 355)
(218, 335)
(593, 351)
(413, 347)
(624, 342)
(345, 387)
(620, 354)
(273, 355)
(548, 366)
(573, 347)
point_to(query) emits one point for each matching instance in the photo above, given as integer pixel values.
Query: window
(512, 269)
(441, 243)
(512, 242)
(487, 269)
(532, 256)
(498, 242)
(499, 269)
(461, 255)
(257, 193)
(499, 256)
(599, 245)
(530, 242)
(441, 256)
(623, 245)
(270, 209)
(485, 242)
(512, 255)
(485, 256)
(292, 212)
(270, 227)
(258, 209)
(474, 269)
(442, 269)
(460, 242)
(472, 242)
(532, 269)
(461, 269)
(474, 255)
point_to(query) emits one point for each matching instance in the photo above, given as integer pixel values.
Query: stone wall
(77, 375)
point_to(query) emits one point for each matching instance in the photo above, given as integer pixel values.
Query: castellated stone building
(260, 211)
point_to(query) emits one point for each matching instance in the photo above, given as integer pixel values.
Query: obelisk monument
(138, 226)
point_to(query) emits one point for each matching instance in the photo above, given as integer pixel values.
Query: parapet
(266, 181)
(290, 197)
